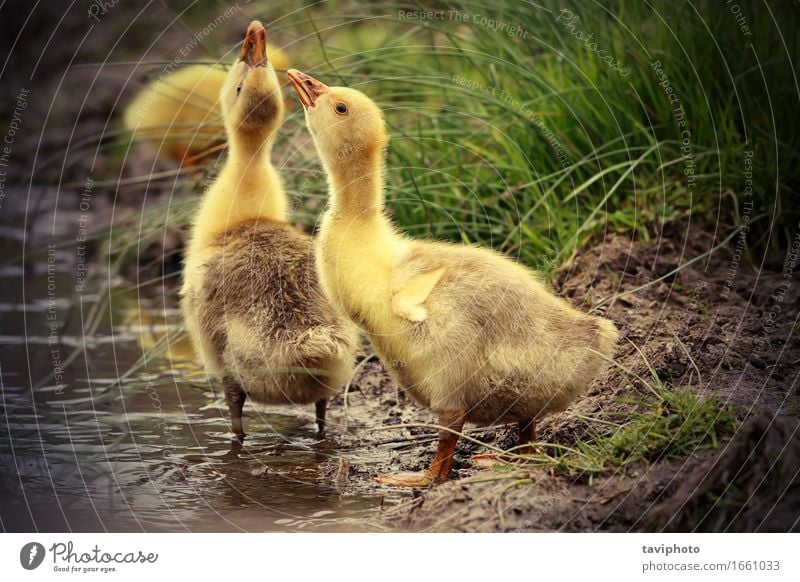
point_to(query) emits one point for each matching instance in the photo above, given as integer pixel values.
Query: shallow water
(95, 447)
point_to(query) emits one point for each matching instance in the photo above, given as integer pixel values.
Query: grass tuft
(529, 142)
(676, 423)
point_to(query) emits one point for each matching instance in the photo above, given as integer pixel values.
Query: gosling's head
(346, 125)
(251, 95)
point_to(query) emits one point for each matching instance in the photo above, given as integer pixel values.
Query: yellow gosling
(250, 298)
(464, 330)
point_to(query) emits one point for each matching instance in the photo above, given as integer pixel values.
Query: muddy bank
(692, 333)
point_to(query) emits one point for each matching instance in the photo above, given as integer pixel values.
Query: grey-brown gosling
(464, 330)
(251, 299)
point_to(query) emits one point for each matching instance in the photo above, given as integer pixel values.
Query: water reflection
(98, 447)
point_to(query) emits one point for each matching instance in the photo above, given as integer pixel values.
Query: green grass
(675, 423)
(549, 147)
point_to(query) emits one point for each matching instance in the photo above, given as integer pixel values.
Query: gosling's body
(460, 327)
(251, 299)
(179, 115)
(257, 314)
(466, 331)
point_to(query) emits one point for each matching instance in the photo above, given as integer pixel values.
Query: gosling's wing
(409, 296)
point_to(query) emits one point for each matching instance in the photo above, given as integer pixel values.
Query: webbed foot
(405, 480)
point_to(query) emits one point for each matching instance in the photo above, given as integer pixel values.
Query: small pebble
(757, 362)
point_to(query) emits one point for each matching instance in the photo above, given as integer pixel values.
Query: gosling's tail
(607, 337)
(323, 341)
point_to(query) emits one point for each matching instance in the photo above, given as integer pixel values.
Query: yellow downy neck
(356, 186)
(247, 189)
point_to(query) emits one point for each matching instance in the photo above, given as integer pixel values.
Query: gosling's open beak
(254, 48)
(307, 87)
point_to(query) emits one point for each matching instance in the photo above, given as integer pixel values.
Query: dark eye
(341, 108)
(238, 89)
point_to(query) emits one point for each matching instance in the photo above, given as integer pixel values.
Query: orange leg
(527, 436)
(442, 462)
(184, 156)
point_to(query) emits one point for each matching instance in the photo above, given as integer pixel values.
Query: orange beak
(307, 87)
(254, 47)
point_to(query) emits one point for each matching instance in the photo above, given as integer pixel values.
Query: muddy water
(85, 445)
